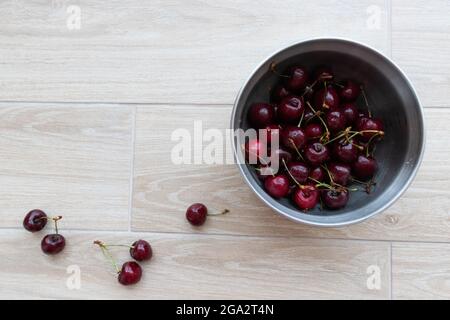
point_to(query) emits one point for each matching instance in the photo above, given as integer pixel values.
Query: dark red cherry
(292, 137)
(255, 150)
(53, 243)
(272, 133)
(290, 109)
(130, 273)
(350, 91)
(313, 131)
(317, 174)
(299, 171)
(363, 114)
(306, 197)
(364, 124)
(364, 167)
(340, 173)
(335, 199)
(345, 151)
(297, 79)
(141, 250)
(323, 73)
(277, 186)
(261, 114)
(278, 93)
(350, 112)
(196, 214)
(316, 153)
(335, 120)
(35, 220)
(326, 98)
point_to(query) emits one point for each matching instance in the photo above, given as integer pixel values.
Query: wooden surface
(86, 117)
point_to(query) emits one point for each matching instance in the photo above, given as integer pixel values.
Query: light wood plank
(197, 267)
(68, 160)
(163, 190)
(421, 271)
(184, 51)
(421, 45)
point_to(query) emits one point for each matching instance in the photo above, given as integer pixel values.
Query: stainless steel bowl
(391, 97)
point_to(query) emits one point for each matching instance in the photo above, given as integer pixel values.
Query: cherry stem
(301, 120)
(287, 169)
(365, 100)
(55, 220)
(219, 213)
(272, 68)
(296, 149)
(317, 113)
(343, 134)
(107, 254)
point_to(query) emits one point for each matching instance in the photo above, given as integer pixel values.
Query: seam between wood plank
(132, 158)
(122, 231)
(140, 104)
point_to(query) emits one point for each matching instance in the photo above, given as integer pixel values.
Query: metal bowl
(391, 97)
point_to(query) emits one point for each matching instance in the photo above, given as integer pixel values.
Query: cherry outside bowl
(391, 97)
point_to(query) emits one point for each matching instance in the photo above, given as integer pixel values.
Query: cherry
(272, 132)
(35, 220)
(340, 173)
(299, 171)
(317, 153)
(306, 197)
(369, 124)
(335, 198)
(292, 137)
(335, 120)
(53, 243)
(141, 250)
(255, 150)
(364, 167)
(363, 114)
(313, 131)
(350, 91)
(277, 186)
(196, 214)
(130, 273)
(326, 98)
(290, 109)
(345, 151)
(323, 73)
(350, 112)
(261, 115)
(317, 174)
(278, 93)
(297, 78)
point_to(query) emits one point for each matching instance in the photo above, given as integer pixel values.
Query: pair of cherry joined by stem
(35, 221)
(130, 272)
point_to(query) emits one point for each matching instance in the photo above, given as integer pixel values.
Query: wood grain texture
(163, 190)
(67, 160)
(197, 267)
(421, 271)
(421, 45)
(184, 51)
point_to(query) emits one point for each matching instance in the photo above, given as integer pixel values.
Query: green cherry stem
(107, 254)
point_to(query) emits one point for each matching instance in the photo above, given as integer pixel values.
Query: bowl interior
(391, 98)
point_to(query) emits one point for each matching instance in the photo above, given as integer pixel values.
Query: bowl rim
(386, 205)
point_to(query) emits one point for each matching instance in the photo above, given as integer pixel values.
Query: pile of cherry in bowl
(327, 138)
